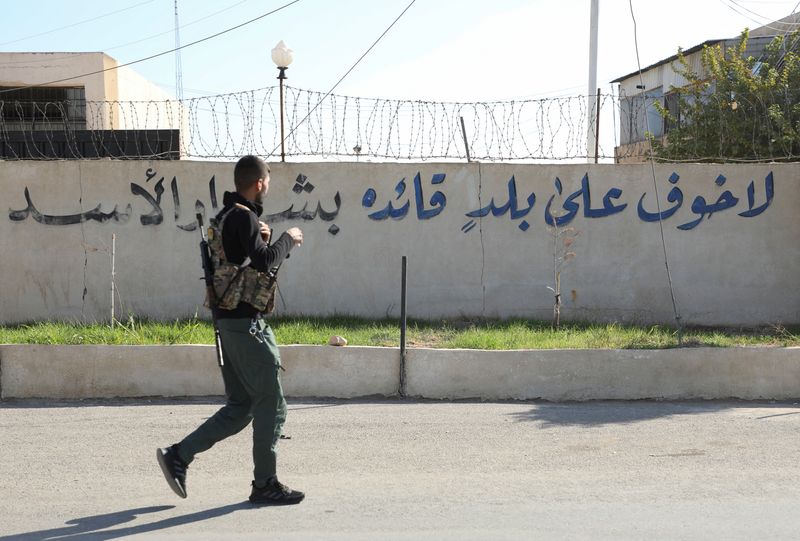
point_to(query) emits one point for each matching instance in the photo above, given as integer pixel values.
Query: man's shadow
(90, 527)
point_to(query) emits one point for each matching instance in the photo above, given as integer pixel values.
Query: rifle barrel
(208, 275)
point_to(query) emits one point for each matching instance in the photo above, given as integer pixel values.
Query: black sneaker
(174, 469)
(275, 493)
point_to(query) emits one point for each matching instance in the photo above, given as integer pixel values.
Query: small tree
(741, 108)
(563, 239)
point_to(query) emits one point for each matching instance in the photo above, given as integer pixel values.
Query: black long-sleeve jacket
(241, 238)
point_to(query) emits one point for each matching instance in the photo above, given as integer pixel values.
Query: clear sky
(466, 50)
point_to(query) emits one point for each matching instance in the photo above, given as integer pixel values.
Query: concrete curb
(41, 371)
(604, 374)
(44, 371)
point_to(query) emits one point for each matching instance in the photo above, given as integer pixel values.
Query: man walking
(244, 267)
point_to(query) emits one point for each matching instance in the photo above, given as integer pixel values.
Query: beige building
(58, 92)
(637, 96)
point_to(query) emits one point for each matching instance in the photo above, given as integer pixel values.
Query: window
(655, 122)
(43, 108)
(638, 113)
(672, 105)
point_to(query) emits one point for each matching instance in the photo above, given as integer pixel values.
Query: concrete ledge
(39, 371)
(340, 372)
(42, 371)
(686, 373)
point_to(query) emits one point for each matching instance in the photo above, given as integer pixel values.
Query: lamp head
(282, 55)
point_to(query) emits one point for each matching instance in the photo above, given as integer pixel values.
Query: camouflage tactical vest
(239, 283)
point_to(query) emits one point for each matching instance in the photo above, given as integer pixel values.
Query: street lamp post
(282, 56)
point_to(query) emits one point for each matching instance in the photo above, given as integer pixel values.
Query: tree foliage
(740, 108)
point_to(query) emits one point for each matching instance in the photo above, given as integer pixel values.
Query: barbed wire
(227, 126)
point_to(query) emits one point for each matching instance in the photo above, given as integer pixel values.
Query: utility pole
(591, 100)
(178, 66)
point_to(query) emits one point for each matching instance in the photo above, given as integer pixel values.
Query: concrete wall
(735, 266)
(35, 371)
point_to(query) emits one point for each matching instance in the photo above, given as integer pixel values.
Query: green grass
(511, 334)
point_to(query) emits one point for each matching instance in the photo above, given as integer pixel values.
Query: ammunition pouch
(233, 283)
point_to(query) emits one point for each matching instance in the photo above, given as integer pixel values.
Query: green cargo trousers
(253, 391)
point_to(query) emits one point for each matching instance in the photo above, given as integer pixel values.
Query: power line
(120, 46)
(768, 19)
(199, 91)
(182, 26)
(781, 30)
(655, 186)
(158, 54)
(342, 78)
(730, 7)
(546, 93)
(76, 24)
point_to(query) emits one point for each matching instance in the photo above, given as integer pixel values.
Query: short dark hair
(248, 170)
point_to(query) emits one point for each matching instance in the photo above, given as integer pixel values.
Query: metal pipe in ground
(402, 390)
(113, 275)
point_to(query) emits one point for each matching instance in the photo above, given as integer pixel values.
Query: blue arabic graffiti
(571, 206)
(769, 188)
(511, 205)
(609, 208)
(675, 196)
(437, 202)
(508, 204)
(702, 209)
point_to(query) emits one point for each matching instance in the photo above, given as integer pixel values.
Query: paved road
(411, 470)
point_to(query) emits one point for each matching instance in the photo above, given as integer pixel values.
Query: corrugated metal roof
(671, 58)
(769, 31)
